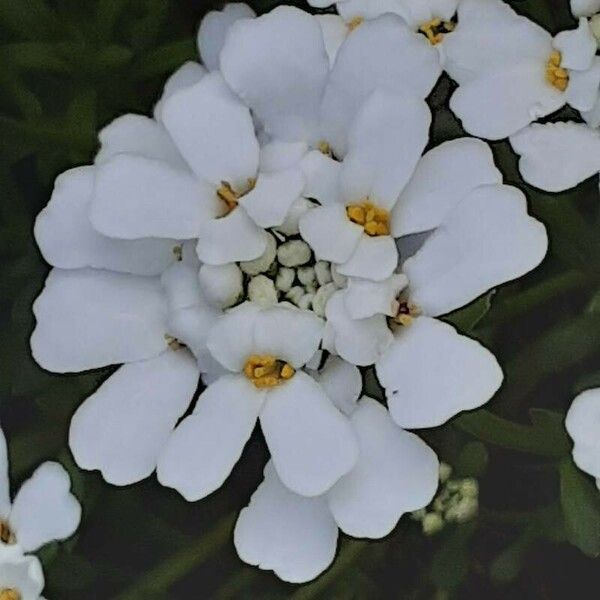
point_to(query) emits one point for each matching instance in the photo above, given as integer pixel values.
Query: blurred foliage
(67, 68)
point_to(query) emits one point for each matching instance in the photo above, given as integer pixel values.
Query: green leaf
(165, 59)
(467, 318)
(509, 563)
(580, 502)
(472, 460)
(450, 563)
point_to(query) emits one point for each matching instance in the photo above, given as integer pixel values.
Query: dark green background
(69, 67)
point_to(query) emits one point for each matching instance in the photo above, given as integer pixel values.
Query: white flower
(583, 425)
(557, 156)
(396, 472)
(43, 510)
(585, 8)
(511, 72)
(222, 198)
(310, 441)
(279, 65)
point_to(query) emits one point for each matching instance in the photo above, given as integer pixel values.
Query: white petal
(384, 146)
(277, 155)
(330, 233)
(368, 60)
(582, 425)
(67, 239)
(416, 13)
(311, 442)
(368, 9)
(441, 180)
(137, 197)
(375, 258)
(396, 473)
(232, 238)
(431, 373)
(489, 36)
(576, 46)
(291, 535)
(271, 199)
(557, 156)
(582, 92)
(288, 333)
(191, 327)
(122, 428)
(88, 319)
(278, 64)
(214, 132)
(231, 341)
(214, 29)
(181, 285)
(489, 239)
(366, 298)
(187, 75)
(585, 8)
(44, 509)
(341, 381)
(291, 225)
(322, 175)
(500, 103)
(4, 480)
(334, 31)
(204, 448)
(22, 572)
(140, 135)
(221, 285)
(359, 341)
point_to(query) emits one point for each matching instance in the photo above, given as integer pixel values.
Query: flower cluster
(42, 511)
(281, 221)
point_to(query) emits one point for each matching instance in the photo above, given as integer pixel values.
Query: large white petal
(214, 132)
(233, 238)
(4, 480)
(67, 239)
(278, 64)
(122, 428)
(385, 144)
(359, 341)
(498, 104)
(204, 448)
(191, 327)
(187, 75)
(557, 156)
(44, 509)
(322, 174)
(369, 60)
(431, 373)
(288, 333)
(221, 285)
(396, 472)
(441, 180)
(181, 285)
(366, 298)
(330, 233)
(291, 535)
(22, 572)
(585, 8)
(341, 381)
(577, 47)
(88, 319)
(582, 92)
(140, 135)
(311, 442)
(417, 13)
(231, 340)
(489, 36)
(374, 258)
(138, 197)
(334, 31)
(214, 29)
(271, 199)
(582, 425)
(276, 155)
(489, 239)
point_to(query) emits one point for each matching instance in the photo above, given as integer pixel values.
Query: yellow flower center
(435, 30)
(407, 311)
(230, 197)
(556, 75)
(267, 371)
(324, 148)
(6, 535)
(9, 594)
(355, 22)
(373, 219)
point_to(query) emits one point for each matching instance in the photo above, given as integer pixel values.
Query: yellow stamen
(355, 22)
(407, 311)
(230, 197)
(557, 76)
(173, 343)
(267, 371)
(435, 29)
(9, 594)
(324, 148)
(178, 253)
(6, 535)
(374, 220)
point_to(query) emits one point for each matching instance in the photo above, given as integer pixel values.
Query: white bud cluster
(288, 272)
(456, 502)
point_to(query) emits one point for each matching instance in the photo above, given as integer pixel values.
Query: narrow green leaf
(467, 318)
